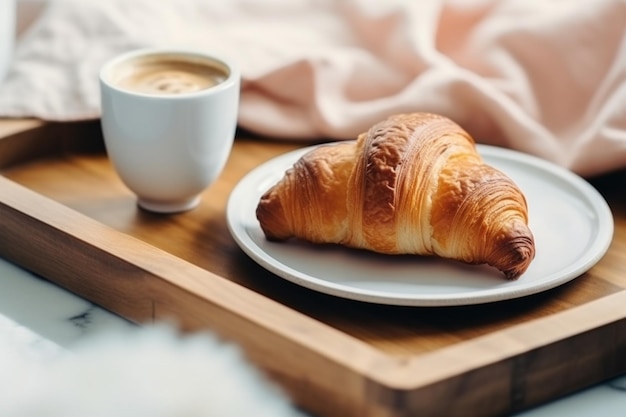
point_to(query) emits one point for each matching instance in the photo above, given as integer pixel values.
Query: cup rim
(232, 78)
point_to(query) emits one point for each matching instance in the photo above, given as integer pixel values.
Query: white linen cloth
(546, 77)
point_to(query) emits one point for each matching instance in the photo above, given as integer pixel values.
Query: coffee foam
(168, 75)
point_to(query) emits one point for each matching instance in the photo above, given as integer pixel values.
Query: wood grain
(65, 214)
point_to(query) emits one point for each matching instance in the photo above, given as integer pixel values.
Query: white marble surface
(45, 320)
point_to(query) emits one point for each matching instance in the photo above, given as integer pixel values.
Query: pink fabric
(546, 77)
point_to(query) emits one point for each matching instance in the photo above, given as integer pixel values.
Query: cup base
(169, 206)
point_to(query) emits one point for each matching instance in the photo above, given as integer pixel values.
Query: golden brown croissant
(412, 184)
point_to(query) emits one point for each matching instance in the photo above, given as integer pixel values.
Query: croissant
(412, 184)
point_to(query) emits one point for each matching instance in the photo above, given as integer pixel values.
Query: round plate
(571, 222)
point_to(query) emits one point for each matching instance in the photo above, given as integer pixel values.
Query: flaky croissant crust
(412, 184)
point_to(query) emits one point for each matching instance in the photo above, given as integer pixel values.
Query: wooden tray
(66, 216)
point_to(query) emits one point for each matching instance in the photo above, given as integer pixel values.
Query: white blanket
(546, 77)
(150, 371)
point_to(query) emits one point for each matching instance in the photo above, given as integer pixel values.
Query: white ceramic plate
(571, 222)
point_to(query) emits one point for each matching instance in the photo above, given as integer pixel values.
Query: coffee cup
(168, 122)
(7, 35)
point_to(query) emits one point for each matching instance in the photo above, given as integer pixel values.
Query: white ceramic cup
(168, 149)
(7, 35)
